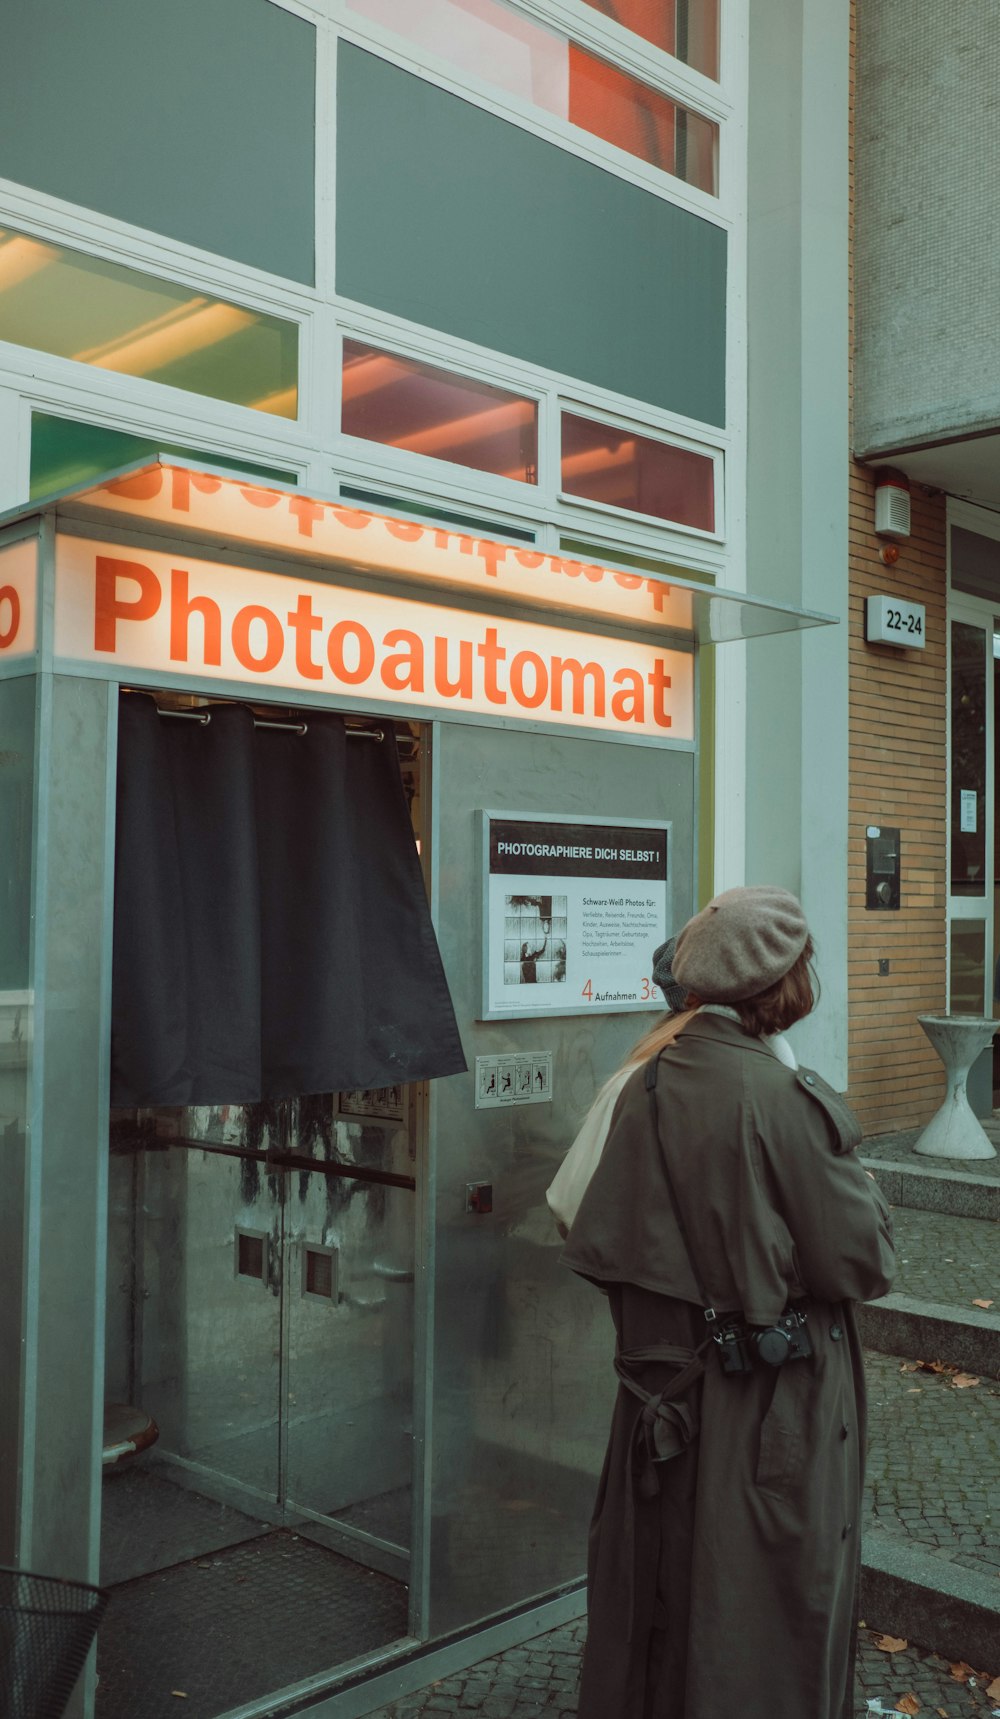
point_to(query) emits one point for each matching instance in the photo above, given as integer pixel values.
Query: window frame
(655, 69)
(312, 445)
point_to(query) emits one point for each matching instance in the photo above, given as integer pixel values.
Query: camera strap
(652, 1069)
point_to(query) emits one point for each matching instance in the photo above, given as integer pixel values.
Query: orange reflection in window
(610, 104)
(490, 40)
(622, 469)
(403, 404)
(688, 29)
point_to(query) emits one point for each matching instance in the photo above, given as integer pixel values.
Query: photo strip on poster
(572, 914)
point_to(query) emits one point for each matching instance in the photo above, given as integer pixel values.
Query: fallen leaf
(978, 1303)
(962, 1381)
(961, 1672)
(993, 1689)
(943, 1711)
(910, 1366)
(908, 1704)
(914, 1390)
(889, 1643)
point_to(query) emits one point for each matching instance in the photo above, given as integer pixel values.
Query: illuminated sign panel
(331, 532)
(18, 600)
(141, 609)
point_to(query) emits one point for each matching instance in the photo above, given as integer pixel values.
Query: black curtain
(272, 935)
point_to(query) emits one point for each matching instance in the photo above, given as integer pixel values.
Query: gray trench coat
(725, 1543)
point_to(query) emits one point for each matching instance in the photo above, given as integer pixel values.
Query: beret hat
(673, 994)
(740, 944)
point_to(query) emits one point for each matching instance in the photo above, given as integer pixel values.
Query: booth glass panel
(522, 1382)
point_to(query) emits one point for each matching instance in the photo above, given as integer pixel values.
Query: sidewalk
(539, 1681)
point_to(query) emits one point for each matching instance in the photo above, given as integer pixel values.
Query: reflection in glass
(489, 40)
(403, 404)
(688, 29)
(115, 318)
(967, 967)
(968, 760)
(259, 1335)
(622, 469)
(65, 453)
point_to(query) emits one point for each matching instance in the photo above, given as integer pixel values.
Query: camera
(738, 1344)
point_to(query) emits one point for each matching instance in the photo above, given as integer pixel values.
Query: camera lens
(773, 1346)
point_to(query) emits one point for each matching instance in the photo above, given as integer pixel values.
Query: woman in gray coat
(732, 1227)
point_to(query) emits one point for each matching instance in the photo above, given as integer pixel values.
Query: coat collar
(721, 1030)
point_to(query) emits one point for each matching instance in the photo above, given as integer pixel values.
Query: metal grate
(250, 1256)
(233, 1628)
(320, 1273)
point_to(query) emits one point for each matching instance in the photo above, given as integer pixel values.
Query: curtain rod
(205, 717)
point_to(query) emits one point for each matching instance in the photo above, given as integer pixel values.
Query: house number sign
(890, 621)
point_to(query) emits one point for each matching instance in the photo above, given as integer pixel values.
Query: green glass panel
(600, 553)
(65, 453)
(191, 118)
(134, 324)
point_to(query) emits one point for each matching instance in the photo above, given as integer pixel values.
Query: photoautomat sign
(280, 519)
(144, 610)
(572, 915)
(18, 587)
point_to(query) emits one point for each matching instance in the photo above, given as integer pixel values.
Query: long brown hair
(788, 1000)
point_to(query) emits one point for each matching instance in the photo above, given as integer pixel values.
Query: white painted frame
(981, 613)
(312, 445)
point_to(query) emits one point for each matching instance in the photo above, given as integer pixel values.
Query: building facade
(925, 408)
(471, 313)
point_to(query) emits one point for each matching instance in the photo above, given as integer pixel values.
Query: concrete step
(931, 1544)
(960, 1193)
(945, 1265)
(963, 1188)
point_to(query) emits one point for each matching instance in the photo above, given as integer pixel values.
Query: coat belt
(665, 1426)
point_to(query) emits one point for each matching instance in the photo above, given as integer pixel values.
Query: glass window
(403, 404)
(601, 462)
(65, 453)
(688, 29)
(968, 759)
(512, 52)
(115, 318)
(968, 967)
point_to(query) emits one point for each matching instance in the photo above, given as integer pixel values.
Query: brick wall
(898, 777)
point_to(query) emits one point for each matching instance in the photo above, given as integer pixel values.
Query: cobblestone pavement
(898, 1149)
(947, 1259)
(934, 1461)
(539, 1681)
